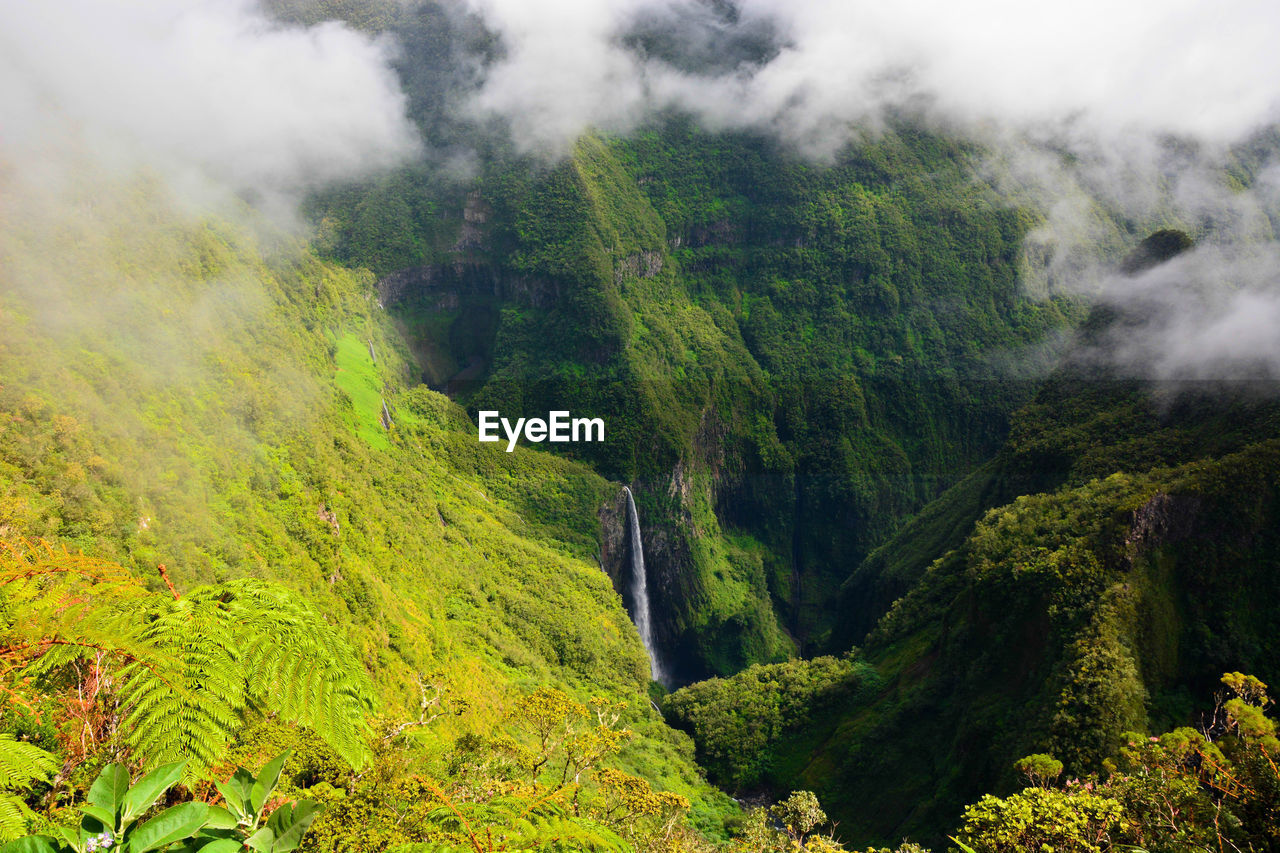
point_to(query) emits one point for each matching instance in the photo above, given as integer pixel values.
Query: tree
(179, 669)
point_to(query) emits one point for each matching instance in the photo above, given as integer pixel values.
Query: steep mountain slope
(194, 393)
(1114, 558)
(791, 357)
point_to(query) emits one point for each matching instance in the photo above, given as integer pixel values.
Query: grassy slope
(792, 357)
(178, 392)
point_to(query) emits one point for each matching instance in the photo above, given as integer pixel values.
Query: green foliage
(171, 394)
(543, 778)
(802, 350)
(186, 666)
(1182, 791)
(358, 377)
(246, 797)
(738, 722)
(114, 811)
(790, 825)
(1040, 769)
(793, 357)
(1043, 820)
(1060, 622)
(21, 766)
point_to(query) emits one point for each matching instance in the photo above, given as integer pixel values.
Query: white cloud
(1211, 314)
(1182, 66)
(199, 90)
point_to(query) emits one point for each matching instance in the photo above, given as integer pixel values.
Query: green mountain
(791, 358)
(215, 399)
(908, 542)
(808, 367)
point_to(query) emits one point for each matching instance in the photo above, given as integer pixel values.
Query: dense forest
(943, 526)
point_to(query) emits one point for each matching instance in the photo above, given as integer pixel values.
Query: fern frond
(187, 666)
(296, 664)
(556, 831)
(189, 708)
(21, 764)
(516, 823)
(13, 819)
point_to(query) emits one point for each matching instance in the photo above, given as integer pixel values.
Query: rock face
(458, 305)
(672, 587)
(473, 235)
(448, 287)
(640, 265)
(613, 540)
(672, 598)
(1164, 519)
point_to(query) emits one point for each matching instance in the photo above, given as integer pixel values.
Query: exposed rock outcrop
(613, 540)
(446, 287)
(1162, 520)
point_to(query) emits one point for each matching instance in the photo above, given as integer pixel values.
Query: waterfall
(640, 592)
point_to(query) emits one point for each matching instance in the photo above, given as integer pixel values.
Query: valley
(653, 479)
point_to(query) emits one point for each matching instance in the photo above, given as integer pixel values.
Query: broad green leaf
(242, 782)
(70, 837)
(172, 824)
(235, 803)
(150, 788)
(220, 818)
(263, 840)
(266, 781)
(109, 788)
(290, 829)
(31, 844)
(99, 815)
(222, 845)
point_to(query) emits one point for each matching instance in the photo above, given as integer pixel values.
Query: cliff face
(447, 287)
(614, 548)
(786, 355)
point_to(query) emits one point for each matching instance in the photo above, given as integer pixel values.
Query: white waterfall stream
(640, 592)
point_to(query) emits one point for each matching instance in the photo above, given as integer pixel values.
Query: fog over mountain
(1133, 106)
(818, 65)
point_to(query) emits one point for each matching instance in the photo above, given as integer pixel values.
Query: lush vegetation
(1060, 621)
(736, 722)
(219, 547)
(240, 524)
(792, 357)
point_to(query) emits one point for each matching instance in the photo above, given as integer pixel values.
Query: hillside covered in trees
(940, 471)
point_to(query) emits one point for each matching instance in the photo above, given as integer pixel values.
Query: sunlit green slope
(186, 391)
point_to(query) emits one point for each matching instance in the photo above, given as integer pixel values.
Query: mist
(152, 158)
(213, 97)
(810, 69)
(1110, 119)
(1209, 315)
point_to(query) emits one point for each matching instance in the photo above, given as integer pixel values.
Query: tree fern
(243, 643)
(186, 667)
(21, 764)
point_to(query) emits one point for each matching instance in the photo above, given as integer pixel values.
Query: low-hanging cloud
(203, 92)
(1184, 66)
(1112, 119)
(1210, 314)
